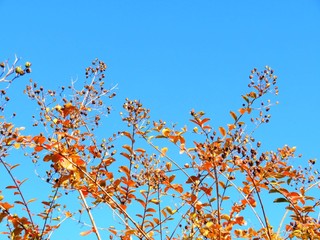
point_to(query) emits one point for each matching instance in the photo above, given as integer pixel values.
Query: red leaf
(38, 148)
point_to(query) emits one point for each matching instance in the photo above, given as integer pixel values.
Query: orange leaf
(204, 121)
(109, 175)
(108, 161)
(141, 202)
(178, 188)
(80, 162)
(113, 231)
(253, 95)
(231, 127)
(242, 110)
(166, 132)
(140, 150)
(38, 148)
(130, 232)
(128, 148)
(171, 178)
(39, 139)
(124, 169)
(126, 155)
(94, 151)
(6, 205)
(240, 220)
(67, 109)
(222, 131)
(163, 211)
(68, 214)
(156, 220)
(86, 232)
(128, 135)
(123, 207)
(151, 210)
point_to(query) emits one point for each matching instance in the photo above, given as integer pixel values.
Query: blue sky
(178, 55)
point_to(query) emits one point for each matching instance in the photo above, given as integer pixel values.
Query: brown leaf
(233, 115)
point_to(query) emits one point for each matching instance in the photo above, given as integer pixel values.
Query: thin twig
(49, 211)
(25, 203)
(90, 215)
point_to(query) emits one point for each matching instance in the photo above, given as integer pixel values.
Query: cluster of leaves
(224, 174)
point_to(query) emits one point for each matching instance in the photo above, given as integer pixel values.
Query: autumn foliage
(157, 180)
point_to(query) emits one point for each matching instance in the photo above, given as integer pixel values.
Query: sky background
(178, 55)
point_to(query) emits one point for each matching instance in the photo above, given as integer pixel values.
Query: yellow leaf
(225, 217)
(170, 211)
(16, 145)
(166, 132)
(164, 151)
(155, 201)
(209, 224)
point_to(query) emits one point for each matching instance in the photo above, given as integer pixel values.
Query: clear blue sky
(178, 55)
